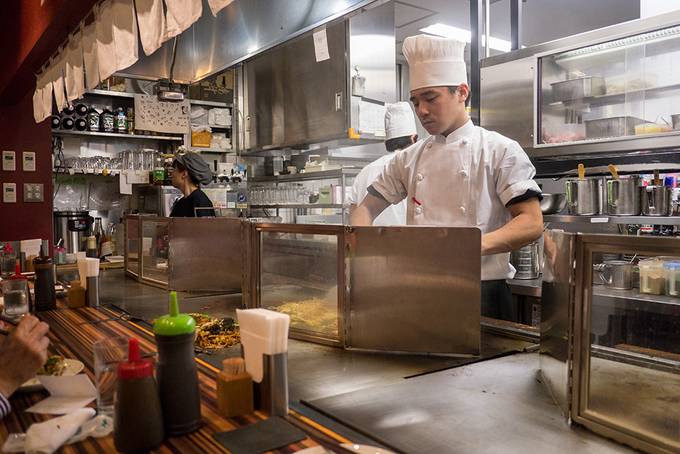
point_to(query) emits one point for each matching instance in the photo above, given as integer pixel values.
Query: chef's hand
(22, 353)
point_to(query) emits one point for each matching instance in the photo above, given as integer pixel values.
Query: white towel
(46, 437)
(75, 80)
(218, 5)
(42, 98)
(58, 82)
(180, 15)
(90, 56)
(151, 20)
(106, 47)
(124, 33)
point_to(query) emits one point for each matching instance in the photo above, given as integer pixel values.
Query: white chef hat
(435, 61)
(399, 120)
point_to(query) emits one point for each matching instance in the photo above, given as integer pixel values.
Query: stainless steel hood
(240, 31)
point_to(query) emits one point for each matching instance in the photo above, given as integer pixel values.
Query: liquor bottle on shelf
(130, 120)
(93, 119)
(121, 121)
(67, 123)
(106, 121)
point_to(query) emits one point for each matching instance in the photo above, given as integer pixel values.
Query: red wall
(19, 132)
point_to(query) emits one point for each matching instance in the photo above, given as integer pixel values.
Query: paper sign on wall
(321, 45)
(9, 162)
(9, 192)
(161, 116)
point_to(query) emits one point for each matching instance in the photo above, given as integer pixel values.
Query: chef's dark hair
(399, 143)
(177, 165)
(454, 88)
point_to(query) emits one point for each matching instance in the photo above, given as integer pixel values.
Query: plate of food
(55, 365)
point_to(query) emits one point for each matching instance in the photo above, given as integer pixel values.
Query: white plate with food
(55, 365)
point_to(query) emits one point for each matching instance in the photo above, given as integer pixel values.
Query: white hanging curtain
(106, 47)
(42, 97)
(151, 19)
(180, 15)
(58, 82)
(218, 5)
(90, 56)
(124, 33)
(75, 79)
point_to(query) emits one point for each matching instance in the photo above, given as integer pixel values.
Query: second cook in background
(461, 176)
(400, 132)
(189, 171)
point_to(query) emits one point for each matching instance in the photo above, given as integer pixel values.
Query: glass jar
(652, 279)
(15, 294)
(672, 275)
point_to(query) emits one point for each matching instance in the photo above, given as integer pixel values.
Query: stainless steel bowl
(553, 203)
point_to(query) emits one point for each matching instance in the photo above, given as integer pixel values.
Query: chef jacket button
(420, 177)
(463, 142)
(419, 210)
(429, 145)
(462, 209)
(463, 173)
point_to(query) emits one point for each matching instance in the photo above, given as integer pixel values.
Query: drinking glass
(107, 354)
(15, 293)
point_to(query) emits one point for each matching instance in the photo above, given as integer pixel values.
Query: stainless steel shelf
(114, 94)
(112, 173)
(301, 206)
(211, 150)
(115, 135)
(633, 298)
(198, 102)
(324, 175)
(606, 219)
(617, 98)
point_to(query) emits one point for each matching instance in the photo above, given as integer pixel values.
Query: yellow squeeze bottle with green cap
(177, 373)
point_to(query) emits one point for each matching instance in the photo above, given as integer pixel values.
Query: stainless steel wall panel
(414, 289)
(557, 315)
(206, 254)
(507, 102)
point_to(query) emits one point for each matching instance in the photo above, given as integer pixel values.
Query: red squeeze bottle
(138, 421)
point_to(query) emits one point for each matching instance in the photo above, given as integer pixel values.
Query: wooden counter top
(72, 333)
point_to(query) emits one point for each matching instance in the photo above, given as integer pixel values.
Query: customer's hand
(22, 353)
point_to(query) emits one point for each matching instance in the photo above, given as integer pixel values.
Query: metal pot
(656, 200)
(553, 203)
(623, 196)
(583, 196)
(616, 274)
(526, 261)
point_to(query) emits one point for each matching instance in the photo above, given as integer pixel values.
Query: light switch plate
(33, 192)
(28, 158)
(9, 161)
(9, 192)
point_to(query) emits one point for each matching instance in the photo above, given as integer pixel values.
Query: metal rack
(340, 174)
(116, 135)
(606, 219)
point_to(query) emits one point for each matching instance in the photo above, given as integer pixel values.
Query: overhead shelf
(116, 135)
(605, 219)
(323, 175)
(301, 206)
(198, 102)
(619, 97)
(111, 93)
(211, 150)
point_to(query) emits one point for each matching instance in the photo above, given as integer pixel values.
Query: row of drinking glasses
(294, 194)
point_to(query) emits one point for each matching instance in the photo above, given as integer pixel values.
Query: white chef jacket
(393, 214)
(462, 180)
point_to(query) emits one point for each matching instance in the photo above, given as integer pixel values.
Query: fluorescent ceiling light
(447, 31)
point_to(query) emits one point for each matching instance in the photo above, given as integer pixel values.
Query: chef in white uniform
(400, 132)
(462, 175)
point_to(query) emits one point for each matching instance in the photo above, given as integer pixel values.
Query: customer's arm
(22, 353)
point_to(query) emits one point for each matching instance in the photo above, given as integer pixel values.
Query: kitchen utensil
(611, 127)
(623, 195)
(526, 261)
(616, 274)
(581, 87)
(581, 172)
(656, 200)
(583, 197)
(614, 171)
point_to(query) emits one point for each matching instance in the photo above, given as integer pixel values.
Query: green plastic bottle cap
(174, 323)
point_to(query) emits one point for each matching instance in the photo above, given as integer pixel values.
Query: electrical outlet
(33, 192)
